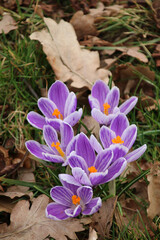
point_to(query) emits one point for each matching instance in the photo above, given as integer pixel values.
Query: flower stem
(112, 187)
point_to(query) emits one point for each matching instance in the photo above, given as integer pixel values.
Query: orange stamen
(76, 200)
(57, 114)
(92, 169)
(117, 140)
(106, 107)
(58, 148)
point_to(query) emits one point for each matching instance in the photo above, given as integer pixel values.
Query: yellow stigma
(117, 140)
(58, 148)
(106, 107)
(92, 169)
(57, 114)
(76, 200)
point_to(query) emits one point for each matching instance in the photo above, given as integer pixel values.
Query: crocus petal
(36, 120)
(85, 193)
(128, 105)
(106, 136)
(74, 117)
(52, 158)
(103, 160)
(81, 176)
(77, 161)
(113, 98)
(137, 153)
(47, 107)
(66, 133)
(94, 103)
(95, 144)
(118, 151)
(99, 116)
(71, 145)
(71, 104)
(56, 211)
(85, 150)
(50, 136)
(115, 170)
(97, 177)
(100, 91)
(73, 212)
(93, 206)
(69, 182)
(37, 149)
(119, 124)
(62, 195)
(129, 136)
(55, 123)
(58, 93)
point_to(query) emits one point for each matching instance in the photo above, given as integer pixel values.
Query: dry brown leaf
(109, 11)
(31, 223)
(92, 125)
(153, 191)
(83, 25)
(6, 204)
(102, 220)
(65, 56)
(7, 24)
(92, 234)
(127, 76)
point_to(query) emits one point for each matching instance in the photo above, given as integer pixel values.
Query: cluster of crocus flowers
(92, 162)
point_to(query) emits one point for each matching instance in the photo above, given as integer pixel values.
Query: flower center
(58, 148)
(92, 169)
(76, 200)
(106, 106)
(117, 140)
(57, 114)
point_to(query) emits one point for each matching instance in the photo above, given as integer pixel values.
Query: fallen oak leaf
(31, 223)
(102, 220)
(66, 57)
(7, 23)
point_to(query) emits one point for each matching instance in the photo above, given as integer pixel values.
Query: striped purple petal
(113, 98)
(93, 206)
(85, 193)
(62, 195)
(128, 105)
(137, 153)
(73, 212)
(47, 107)
(100, 91)
(74, 117)
(85, 150)
(56, 211)
(106, 136)
(36, 120)
(58, 93)
(70, 105)
(69, 182)
(129, 136)
(80, 175)
(119, 124)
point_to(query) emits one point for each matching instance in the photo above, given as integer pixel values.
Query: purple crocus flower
(71, 199)
(54, 151)
(91, 170)
(104, 103)
(119, 138)
(59, 106)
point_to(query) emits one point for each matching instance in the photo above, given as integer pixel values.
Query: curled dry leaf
(153, 191)
(102, 220)
(92, 234)
(83, 25)
(7, 24)
(66, 57)
(31, 223)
